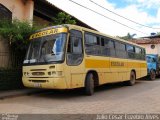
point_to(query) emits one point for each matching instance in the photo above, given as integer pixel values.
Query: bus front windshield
(46, 49)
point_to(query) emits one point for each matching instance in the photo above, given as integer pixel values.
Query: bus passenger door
(74, 59)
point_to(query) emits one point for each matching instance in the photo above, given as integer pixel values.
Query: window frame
(71, 53)
(5, 12)
(121, 50)
(113, 50)
(98, 45)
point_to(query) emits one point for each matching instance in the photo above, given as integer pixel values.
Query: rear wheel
(132, 80)
(89, 84)
(152, 75)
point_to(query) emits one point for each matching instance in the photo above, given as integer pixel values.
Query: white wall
(149, 50)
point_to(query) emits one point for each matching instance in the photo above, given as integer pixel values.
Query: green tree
(17, 33)
(128, 36)
(158, 33)
(63, 18)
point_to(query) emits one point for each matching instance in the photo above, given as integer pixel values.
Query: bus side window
(143, 54)
(138, 53)
(112, 48)
(105, 47)
(131, 51)
(77, 45)
(75, 49)
(120, 50)
(92, 44)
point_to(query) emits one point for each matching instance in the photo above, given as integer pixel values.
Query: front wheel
(89, 85)
(152, 75)
(132, 80)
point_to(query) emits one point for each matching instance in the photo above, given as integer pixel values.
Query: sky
(145, 12)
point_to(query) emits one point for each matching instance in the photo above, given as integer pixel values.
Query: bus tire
(89, 84)
(132, 80)
(152, 75)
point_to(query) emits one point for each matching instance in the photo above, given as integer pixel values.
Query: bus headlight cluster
(55, 73)
(26, 74)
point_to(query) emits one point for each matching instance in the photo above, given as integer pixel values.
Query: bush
(17, 33)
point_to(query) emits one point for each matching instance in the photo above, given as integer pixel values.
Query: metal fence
(10, 68)
(10, 79)
(9, 60)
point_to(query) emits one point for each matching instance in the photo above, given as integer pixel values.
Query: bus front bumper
(46, 83)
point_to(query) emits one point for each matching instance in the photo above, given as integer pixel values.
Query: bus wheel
(132, 80)
(152, 75)
(89, 84)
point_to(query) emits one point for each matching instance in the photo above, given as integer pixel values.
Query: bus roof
(69, 26)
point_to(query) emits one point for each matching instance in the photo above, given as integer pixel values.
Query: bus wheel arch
(132, 79)
(91, 81)
(134, 72)
(95, 76)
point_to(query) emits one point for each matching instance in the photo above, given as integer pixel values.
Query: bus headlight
(26, 74)
(59, 73)
(49, 73)
(55, 73)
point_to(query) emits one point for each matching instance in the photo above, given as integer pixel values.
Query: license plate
(37, 85)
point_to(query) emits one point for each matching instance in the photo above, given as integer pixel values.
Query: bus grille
(38, 73)
(38, 81)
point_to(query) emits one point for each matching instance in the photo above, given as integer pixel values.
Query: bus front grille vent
(38, 73)
(38, 69)
(38, 81)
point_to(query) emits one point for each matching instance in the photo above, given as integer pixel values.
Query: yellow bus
(70, 56)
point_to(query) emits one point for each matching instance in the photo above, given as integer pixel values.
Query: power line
(107, 17)
(123, 16)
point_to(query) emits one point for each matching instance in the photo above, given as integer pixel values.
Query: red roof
(146, 41)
